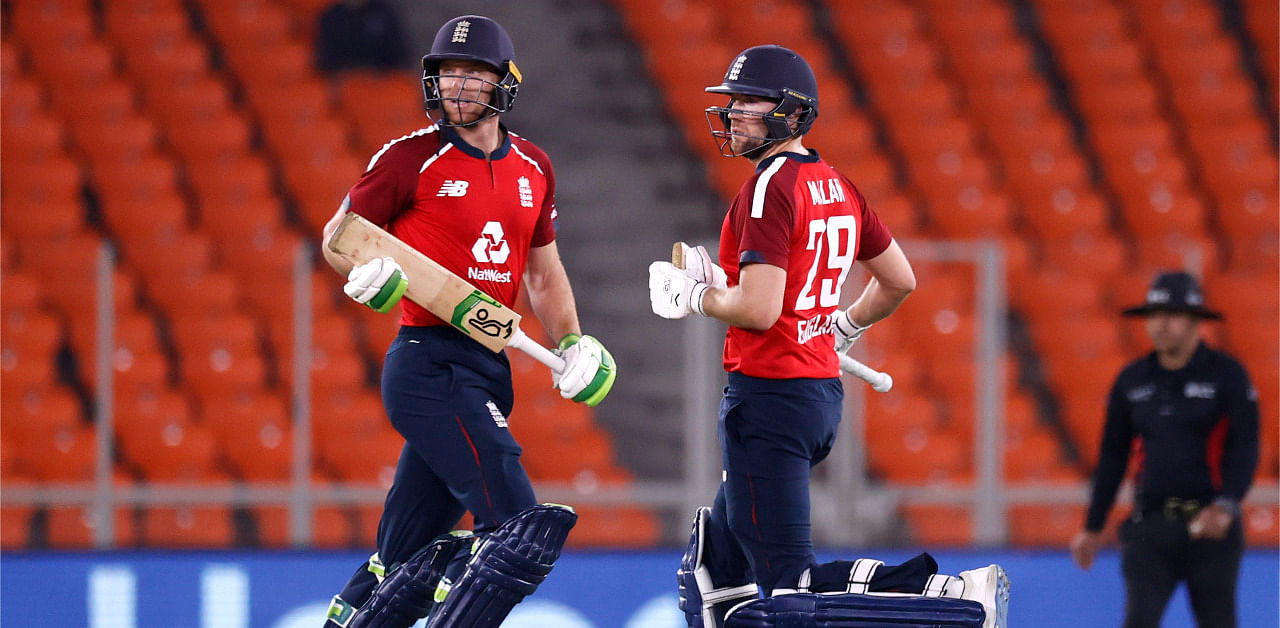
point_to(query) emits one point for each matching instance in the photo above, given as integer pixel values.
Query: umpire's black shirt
(1196, 432)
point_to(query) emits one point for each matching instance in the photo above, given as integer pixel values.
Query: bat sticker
(475, 305)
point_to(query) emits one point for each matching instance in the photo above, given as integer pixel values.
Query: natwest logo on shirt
(491, 247)
(454, 188)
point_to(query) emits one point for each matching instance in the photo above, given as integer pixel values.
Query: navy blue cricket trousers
(449, 397)
(772, 433)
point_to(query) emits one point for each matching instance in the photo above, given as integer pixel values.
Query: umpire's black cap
(1174, 291)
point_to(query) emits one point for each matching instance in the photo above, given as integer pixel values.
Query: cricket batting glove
(589, 370)
(378, 284)
(697, 262)
(847, 331)
(673, 293)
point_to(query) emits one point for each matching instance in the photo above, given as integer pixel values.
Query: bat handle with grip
(880, 382)
(538, 352)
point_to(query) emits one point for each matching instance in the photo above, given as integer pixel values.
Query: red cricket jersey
(477, 217)
(801, 215)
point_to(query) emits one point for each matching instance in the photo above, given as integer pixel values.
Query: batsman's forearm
(338, 262)
(876, 303)
(550, 294)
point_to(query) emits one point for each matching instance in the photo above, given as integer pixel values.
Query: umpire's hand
(1212, 523)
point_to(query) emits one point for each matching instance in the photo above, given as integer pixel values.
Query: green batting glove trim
(602, 383)
(390, 293)
(568, 341)
(376, 567)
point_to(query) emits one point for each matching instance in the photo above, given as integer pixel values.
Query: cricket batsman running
(479, 200)
(787, 244)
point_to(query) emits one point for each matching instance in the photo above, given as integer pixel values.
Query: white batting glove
(697, 262)
(847, 331)
(673, 293)
(378, 284)
(589, 370)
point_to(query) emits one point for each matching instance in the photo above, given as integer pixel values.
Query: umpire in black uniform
(1190, 415)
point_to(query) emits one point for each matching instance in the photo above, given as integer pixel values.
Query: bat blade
(431, 285)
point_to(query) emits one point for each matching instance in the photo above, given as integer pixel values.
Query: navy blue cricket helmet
(473, 38)
(773, 73)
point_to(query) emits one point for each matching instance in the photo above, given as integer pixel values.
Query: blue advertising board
(586, 590)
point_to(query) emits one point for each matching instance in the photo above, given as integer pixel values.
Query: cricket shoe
(988, 586)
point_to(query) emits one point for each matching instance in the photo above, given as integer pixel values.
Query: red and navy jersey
(474, 215)
(801, 215)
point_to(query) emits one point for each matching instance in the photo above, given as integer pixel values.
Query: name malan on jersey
(826, 192)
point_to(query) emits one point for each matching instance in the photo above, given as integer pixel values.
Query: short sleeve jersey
(474, 215)
(799, 214)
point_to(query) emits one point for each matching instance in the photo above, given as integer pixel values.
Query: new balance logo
(453, 188)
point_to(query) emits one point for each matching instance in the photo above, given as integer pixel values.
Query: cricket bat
(434, 287)
(880, 382)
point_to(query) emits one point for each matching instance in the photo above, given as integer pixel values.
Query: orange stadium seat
(1095, 254)
(151, 412)
(938, 526)
(45, 220)
(615, 527)
(1044, 526)
(257, 436)
(24, 101)
(149, 22)
(72, 527)
(281, 64)
(15, 525)
(56, 23)
(20, 291)
(229, 219)
(201, 98)
(176, 452)
(68, 455)
(188, 526)
(91, 112)
(367, 460)
(211, 141)
(39, 137)
(37, 413)
(1262, 525)
(350, 417)
(55, 180)
(247, 177)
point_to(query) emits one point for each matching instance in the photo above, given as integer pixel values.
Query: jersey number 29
(837, 230)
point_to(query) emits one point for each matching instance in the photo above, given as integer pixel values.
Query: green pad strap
(340, 612)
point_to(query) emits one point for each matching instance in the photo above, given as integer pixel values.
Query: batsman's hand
(378, 284)
(847, 331)
(674, 293)
(589, 370)
(697, 262)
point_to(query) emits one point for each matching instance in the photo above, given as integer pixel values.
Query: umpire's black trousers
(1158, 553)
